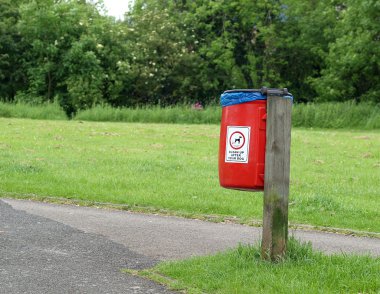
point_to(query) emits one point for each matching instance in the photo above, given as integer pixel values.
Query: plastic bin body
(242, 146)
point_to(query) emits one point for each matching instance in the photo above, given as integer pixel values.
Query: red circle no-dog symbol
(237, 140)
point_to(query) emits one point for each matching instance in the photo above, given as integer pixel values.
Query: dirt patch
(110, 134)
(367, 155)
(157, 146)
(319, 161)
(362, 138)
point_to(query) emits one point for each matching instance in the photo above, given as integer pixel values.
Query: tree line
(178, 51)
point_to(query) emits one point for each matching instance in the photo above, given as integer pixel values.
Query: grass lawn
(335, 175)
(242, 271)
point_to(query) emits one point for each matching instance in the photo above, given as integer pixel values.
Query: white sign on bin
(237, 144)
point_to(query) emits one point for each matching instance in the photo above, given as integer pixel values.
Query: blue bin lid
(238, 96)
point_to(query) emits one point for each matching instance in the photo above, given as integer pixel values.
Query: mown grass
(334, 174)
(22, 110)
(242, 271)
(346, 115)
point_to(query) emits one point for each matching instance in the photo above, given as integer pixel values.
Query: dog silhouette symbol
(238, 140)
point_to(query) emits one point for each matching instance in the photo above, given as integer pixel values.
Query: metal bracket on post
(277, 170)
(274, 91)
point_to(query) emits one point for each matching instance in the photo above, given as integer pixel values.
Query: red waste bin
(242, 140)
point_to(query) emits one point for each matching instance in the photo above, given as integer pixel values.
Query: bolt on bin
(243, 138)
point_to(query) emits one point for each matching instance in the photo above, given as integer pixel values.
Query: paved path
(68, 249)
(39, 255)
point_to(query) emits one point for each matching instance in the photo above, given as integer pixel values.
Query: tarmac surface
(49, 248)
(40, 255)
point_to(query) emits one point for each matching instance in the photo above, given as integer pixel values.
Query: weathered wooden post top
(254, 155)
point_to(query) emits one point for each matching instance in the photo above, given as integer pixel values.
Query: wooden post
(277, 170)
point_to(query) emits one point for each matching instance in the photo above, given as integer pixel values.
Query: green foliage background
(169, 52)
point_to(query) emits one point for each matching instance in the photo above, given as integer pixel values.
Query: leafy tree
(353, 60)
(11, 76)
(203, 47)
(305, 29)
(159, 67)
(70, 52)
(172, 51)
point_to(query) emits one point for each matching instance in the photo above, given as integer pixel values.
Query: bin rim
(239, 96)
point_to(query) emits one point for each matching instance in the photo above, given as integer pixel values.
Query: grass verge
(173, 168)
(241, 270)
